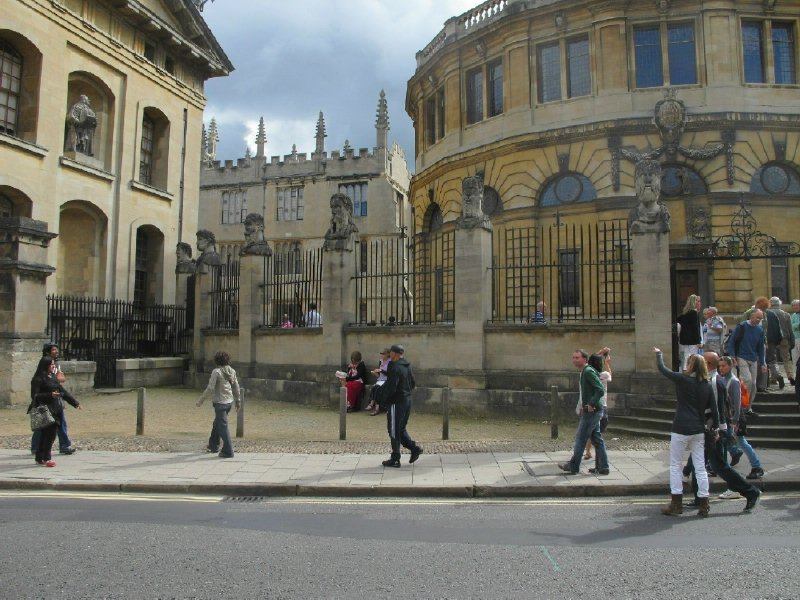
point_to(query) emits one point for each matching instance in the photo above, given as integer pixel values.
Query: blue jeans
(219, 430)
(589, 427)
(64, 442)
(742, 442)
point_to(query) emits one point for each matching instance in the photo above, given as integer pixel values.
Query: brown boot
(675, 506)
(703, 509)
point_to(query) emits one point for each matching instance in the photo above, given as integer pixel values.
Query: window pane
(225, 209)
(549, 73)
(647, 48)
(430, 120)
(495, 73)
(753, 51)
(682, 67)
(579, 77)
(783, 48)
(439, 116)
(474, 96)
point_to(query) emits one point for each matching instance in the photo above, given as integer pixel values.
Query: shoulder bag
(41, 417)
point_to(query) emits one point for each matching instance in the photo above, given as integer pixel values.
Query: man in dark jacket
(397, 396)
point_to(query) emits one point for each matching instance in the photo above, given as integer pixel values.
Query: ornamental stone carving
(81, 125)
(650, 215)
(184, 263)
(340, 234)
(254, 237)
(207, 245)
(472, 214)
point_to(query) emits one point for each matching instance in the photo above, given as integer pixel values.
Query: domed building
(551, 103)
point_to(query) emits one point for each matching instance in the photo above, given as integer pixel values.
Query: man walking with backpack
(397, 395)
(780, 341)
(746, 347)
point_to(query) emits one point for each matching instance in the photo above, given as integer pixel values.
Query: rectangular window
(146, 155)
(290, 204)
(779, 274)
(681, 54)
(474, 96)
(10, 83)
(648, 58)
(357, 192)
(439, 115)
(169, 65)
(783, 49)
(430, 121)
(569, 285)
(579, 78)
(234, 207)
(753, 50)
(140, 273)
(150, 52)
(363, 257)
(494, 78)
(549, 59)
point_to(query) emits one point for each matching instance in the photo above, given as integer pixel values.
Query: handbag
(41, 417)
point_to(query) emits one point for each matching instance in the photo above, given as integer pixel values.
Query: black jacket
(44, 395)
(694, 398)
(690, 328)
(399, 382)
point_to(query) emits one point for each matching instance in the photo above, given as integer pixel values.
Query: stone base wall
(79, 375)
(150, 372)
(20, 358)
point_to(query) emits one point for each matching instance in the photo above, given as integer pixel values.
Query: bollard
(343, 413)
(446, 413)
(554, 412)
(140, 411)
(240, 414)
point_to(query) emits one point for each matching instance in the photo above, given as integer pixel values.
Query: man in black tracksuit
(397, 396)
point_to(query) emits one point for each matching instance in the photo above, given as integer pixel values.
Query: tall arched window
(154, 149)
(10, 87)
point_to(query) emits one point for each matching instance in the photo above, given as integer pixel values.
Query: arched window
(433, 219)
(491, 201)
(567, 188)
(6, 206)
(154, 149)
(776, 179)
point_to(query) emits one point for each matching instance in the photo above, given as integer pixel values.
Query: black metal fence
(562, 272)
(106, 330)
(224, 295)
(292, 282)
(399, 283)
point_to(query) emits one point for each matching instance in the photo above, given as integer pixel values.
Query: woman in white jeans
(695, 396)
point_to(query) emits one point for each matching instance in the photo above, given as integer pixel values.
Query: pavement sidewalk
(466, 475)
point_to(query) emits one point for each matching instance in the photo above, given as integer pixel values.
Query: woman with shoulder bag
(224, 387)
(49, 393)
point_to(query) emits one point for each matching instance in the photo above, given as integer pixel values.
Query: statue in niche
(254, 236)
(650, 215)
(340, 233)
(472, 214)
(81, 123)
(207, 245)
(184, 264)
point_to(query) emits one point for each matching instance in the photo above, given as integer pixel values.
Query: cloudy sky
(294, 59)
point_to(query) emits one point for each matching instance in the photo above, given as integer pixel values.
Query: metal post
(554, 412)
(446, 413)
(240, 414)
(140, 411)
(343, 413)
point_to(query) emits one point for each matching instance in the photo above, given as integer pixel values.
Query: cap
(384, 351)
(775, 301)
(397, 348)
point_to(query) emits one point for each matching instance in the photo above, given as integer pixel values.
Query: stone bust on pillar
(650, 215)
(254, 237)
(340, 234)
(207, 245)
(472, 214)
(184, 264)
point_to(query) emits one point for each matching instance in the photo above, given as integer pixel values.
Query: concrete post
(202, 314)
(23, 303)
(338, 305)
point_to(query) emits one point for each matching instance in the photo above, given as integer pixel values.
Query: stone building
(101, 109)
(100, 123)
(293, 193)
(553, 102)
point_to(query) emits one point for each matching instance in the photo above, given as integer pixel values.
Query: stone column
(203, 280)
(338, 305)
(251, 294)
(23, 304)
(473, 302)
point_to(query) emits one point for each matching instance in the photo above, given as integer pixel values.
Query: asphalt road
(114, 546)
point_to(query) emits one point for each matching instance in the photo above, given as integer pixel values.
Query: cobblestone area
(173, 423)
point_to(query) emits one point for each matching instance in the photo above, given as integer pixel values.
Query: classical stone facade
(104, 101)
(100, 109)
(553, 104)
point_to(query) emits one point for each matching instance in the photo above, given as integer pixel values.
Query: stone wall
(150, 372)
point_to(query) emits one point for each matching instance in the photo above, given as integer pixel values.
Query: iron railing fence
(404, 284)
(292, 282)
(103, 331)
(572, 272)
(224, 295)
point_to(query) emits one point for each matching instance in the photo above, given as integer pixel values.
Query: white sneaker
(730, 495)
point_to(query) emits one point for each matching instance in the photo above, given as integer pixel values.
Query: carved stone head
(647, 180)
(472, 196)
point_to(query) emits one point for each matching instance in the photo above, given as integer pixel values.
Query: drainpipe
(183, 175)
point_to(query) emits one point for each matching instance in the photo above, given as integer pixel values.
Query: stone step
(764, 440)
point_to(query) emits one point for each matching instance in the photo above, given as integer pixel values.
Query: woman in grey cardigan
(695, 396)
(225, 389)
